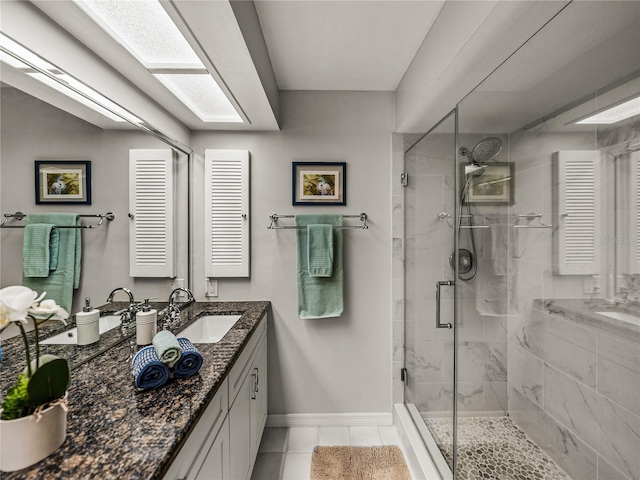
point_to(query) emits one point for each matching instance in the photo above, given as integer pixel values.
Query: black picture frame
(63, 182)
(495, 186)
(319, 183)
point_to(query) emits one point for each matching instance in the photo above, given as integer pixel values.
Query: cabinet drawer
(243, 365)
(194, 450)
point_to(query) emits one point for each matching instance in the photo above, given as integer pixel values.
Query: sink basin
(209, 328)
(622, 316)
(70, 337)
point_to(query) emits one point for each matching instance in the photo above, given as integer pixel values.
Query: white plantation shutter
(151, 204)
(633, 238)
(577, 203)
(226, 213)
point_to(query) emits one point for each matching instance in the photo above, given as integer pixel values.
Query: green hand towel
(320, 250)
(319, 297)
(61, 282)
(167, 347)
(40, 249)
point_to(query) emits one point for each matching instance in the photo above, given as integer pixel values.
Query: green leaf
(16, 404)
(50, 381)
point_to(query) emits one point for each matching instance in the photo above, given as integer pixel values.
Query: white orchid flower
(15, 302)
(49, 308)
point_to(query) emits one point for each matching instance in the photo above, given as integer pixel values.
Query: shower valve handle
(447, 283)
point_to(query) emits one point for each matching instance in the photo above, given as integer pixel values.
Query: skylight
(147, 31)
(29, 63)
(615, 114)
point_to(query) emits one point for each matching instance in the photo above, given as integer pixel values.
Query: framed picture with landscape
(63, 182)
(494, 186)
(319, 183)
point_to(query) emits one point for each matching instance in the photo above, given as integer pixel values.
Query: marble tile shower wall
(428, 243)
(573, 389)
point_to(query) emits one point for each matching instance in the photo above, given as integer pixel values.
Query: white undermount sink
(209, 328)
(622, 316)
(70, 337)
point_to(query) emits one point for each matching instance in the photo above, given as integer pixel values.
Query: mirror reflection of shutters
(151, 204)
(226, 213)
(577, 203)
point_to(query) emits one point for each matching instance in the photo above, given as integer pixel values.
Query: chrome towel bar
(275, 216)
(20, 216)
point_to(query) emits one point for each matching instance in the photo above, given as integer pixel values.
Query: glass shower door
(429, 241)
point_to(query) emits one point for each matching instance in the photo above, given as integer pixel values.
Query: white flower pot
(24, 441)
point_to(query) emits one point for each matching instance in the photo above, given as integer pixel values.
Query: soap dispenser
(146, 324)
(88, 323)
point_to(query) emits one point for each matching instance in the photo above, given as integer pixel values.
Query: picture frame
(319, 183)
(63, 182)
(494, 187)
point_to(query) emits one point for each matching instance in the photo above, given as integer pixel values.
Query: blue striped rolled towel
(148, 371)
(190, 362)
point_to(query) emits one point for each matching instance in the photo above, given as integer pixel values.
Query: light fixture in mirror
(617, 113)
(27, 62)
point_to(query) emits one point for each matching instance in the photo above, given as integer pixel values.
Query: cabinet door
(240, 431)
(258, 397)
(216, 464)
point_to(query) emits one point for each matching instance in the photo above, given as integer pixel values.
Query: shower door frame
(445, 472)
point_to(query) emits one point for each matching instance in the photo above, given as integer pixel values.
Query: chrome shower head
(485, 150)
(474, 169)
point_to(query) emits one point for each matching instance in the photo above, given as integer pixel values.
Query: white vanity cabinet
(224, 443)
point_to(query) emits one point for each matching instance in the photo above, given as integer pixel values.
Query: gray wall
(33, 130)
(339, 365)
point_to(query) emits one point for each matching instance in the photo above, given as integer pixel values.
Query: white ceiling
(344, 45)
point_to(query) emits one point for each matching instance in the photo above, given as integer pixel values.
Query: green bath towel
(61, 282)
(320, 250)
(40, 249)
(319, 297)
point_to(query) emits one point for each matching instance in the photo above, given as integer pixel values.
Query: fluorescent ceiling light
(202, 95)
(617, 113)
(145, 29)
(34, 66)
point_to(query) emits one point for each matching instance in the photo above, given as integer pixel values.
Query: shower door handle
(446, 283)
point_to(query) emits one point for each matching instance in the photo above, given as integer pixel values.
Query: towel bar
(274, 218)
(529, 216)
(20, 216)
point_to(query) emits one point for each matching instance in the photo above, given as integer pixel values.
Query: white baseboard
(329, 419)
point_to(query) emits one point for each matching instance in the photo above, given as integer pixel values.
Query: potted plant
(33, 417)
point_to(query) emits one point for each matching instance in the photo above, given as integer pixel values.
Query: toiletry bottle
(146, 324)
(88, 323)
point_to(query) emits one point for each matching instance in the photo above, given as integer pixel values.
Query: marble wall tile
(422, 323)
(495, 328)
(479, 362)
(424, 361)
(424, 195)
(561, 286)
(526, 373)
(495, 395)
(606, 471)
(619, 372)
(563, 344)
(434, 397)
(435, 242)
(397, 264)
(416, 163)
(470, 322)
(533, 244)
(563, 446)
(611, 430)
(528, 282)
(397, 385)
(397, 168)
(397, 329)
(397, 216)
(470, 397)
(528, 185)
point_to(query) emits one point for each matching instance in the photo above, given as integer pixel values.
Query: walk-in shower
(537, 373)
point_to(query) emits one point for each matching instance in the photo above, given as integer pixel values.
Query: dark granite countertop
(589, 312)
(114, 431)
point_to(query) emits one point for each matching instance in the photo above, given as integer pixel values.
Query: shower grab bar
(446, 283)
(20, 216)
(531, 216)
(274, 218)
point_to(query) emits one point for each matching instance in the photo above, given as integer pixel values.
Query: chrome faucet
(171, 314)
(127, 315)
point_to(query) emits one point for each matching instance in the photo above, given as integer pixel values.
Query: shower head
(485, 150)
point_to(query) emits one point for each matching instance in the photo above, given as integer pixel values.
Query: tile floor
(285, 453)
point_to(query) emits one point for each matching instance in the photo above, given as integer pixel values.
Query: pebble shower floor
(493, 448)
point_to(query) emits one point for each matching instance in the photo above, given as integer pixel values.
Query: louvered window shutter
(633, 238)
(227, 213)
(151, 207)
(577, 206)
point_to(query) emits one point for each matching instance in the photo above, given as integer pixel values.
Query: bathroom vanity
(208, 426)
